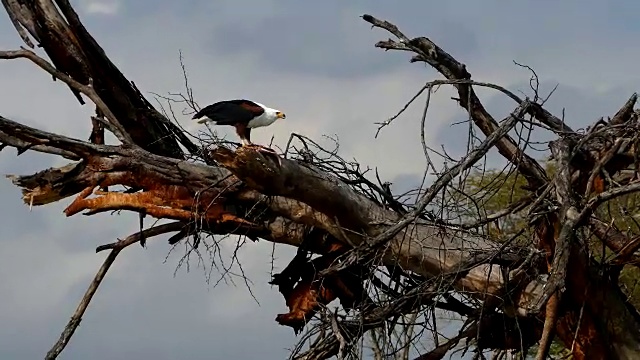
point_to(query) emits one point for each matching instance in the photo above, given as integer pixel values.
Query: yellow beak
(280, 115)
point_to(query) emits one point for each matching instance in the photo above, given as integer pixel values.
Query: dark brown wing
(254, 108)
(243, 131)
(231, 112)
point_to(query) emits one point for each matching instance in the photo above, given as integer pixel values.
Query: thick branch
(614, 239)
(421, 248)
(444, 63)
(443, 180)
(115, 126)
(73, 51)
(569, 219)
(409, 302)
(626, 111)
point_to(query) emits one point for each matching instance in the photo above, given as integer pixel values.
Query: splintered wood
(168, 202)
(305, 292)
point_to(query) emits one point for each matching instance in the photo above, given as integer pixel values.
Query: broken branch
(74, 322)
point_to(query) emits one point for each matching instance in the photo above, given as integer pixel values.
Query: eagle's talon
(266, 151)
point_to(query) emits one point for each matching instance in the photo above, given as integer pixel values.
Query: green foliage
(622, 212)
(557, 351)
(492, 191)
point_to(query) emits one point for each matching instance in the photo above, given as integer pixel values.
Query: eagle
(242, 114)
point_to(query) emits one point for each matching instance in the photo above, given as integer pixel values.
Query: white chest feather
(263, 120)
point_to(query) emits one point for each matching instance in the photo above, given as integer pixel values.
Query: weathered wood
(74, 52)
(300, 194)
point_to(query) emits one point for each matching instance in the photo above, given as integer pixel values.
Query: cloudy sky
(316, 62)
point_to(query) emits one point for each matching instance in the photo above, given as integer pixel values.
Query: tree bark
(296, 192)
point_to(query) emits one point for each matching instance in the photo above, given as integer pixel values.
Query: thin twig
(367, 248)
(116, 247)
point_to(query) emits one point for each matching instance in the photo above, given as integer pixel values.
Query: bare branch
(626, 111)
(444, 63)
(471, 158)
(74, 322)
(87, 90)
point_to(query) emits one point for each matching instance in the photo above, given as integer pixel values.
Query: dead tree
(512, 296)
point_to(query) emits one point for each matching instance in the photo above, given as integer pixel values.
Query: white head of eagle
(242, 114)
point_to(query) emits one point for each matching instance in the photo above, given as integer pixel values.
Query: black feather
(231, 112)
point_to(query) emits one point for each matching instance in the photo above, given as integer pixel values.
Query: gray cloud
(326, 39)
(180, 317)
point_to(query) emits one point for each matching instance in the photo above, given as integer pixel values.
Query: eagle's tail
(202, 120)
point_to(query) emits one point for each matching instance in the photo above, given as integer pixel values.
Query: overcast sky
(316, 62)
